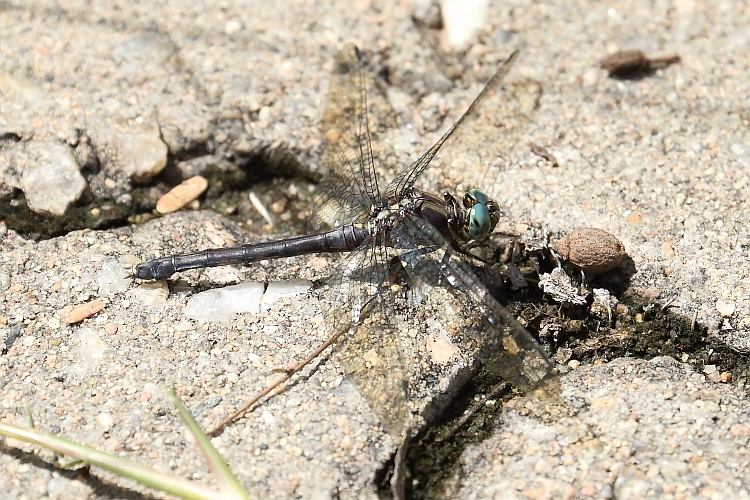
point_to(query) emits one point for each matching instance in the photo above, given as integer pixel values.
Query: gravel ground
(126, 90)
(102, 382)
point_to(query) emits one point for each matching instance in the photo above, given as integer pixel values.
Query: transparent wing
(407, 177)
(350, 186)
(372, 357)
(355, 283)
(360, 305)
(483, 145)
(338, 200)
(489, 332)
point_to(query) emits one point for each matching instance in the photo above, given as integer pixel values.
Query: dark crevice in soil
(101, 213)
(231, 174)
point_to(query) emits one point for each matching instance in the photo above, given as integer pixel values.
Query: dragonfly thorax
(386, 214)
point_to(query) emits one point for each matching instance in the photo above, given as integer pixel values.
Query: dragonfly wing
(372, 359)
(484, 145)
(360, 307)
(355, 283)
(407, 177)
(489, 332)
(351, 185)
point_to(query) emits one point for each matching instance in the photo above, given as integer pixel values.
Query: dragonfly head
(482, 214)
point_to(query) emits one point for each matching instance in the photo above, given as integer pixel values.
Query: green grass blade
(120, 466)
(228, 484)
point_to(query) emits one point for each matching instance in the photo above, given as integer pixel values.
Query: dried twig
(668, 304)
(631, 62)
(692, 323)
(288, 375)
(542, 151)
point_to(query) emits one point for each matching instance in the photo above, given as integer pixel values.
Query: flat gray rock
(222, 303)
(626, 429)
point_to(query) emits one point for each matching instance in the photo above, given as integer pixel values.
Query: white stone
(141, 155)
(105, 420)
(267, 417)
(725, 308)
(224, 275)
(220, 304)
(91, 351)
(280, 289)
(150, 294)
(462, 19)
(111, 277)
(232, 26)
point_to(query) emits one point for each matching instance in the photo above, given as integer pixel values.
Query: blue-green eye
(479, 195)
(480, 223)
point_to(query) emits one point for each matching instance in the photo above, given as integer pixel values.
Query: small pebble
(441, 349)
(726, 309)
(182, 194)
(667, 251)
(635, 218)
(574, 363)
(332, 135)
(232, 26)
(278, 207)
(461, 20)
(83, 311)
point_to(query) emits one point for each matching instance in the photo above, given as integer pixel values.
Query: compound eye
(479, 222)
(479, 196)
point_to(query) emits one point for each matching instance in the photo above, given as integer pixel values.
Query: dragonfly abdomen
(342, 239)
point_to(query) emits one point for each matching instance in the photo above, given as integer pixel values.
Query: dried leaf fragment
(604, 304)
(559, 286)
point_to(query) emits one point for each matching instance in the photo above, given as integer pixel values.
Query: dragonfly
(428, 234)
